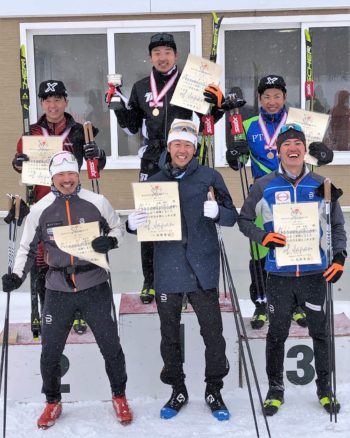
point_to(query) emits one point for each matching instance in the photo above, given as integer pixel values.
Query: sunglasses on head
(159, 37)
(61, 157)
(290, 126)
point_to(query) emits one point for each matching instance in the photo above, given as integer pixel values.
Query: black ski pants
(57, 319)
(283, 293)
(205, 303)
(258, 280)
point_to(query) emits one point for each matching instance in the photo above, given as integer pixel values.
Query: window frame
(274, 22)
(109, 28)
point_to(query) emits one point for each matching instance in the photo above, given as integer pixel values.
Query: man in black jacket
(191, 266)
(149, 108)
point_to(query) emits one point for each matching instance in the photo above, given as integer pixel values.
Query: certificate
(76, 240)
(314, 126)
(197, 74)
(39, 149)
(300, 224)
(161, 202)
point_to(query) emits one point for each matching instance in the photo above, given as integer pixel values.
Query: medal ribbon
(63, 136)
(157, 98)
(270, 143)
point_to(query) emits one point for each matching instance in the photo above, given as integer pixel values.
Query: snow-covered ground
(300, 416)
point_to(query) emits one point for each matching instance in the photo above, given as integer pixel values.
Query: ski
(309, 78)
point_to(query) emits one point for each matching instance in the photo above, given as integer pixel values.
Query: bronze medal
(155, 112)
(270, 155)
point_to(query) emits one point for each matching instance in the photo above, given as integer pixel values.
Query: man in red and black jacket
(56, 121)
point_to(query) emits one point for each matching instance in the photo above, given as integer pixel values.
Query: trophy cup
(113, 100)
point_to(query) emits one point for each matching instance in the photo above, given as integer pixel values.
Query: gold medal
(270, 155)
(155, 112)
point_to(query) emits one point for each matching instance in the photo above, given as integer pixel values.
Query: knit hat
(52, 88)
(183, 130)
(162, 39)
(290, 131)
(63, 161)
(271, 81)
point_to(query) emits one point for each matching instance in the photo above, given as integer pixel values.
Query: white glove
(211, 208)
(136, 219)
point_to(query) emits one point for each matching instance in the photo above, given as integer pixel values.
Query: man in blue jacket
(191, 266)
(260, 145)
(291, 285)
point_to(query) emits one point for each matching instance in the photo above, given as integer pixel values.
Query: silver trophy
(113, 99)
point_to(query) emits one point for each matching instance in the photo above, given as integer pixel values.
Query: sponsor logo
(51, 87)
(271, 80)
(282, 197)
(48, 319)
(271, 308)
(148, 96)
(163, 298)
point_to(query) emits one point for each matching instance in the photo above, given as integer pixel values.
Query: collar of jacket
(191, 168)
(69, 122)
(58, 194)
(162, 78)
(272, 118)
(305, 170)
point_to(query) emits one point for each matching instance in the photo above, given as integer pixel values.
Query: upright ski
(309, 79)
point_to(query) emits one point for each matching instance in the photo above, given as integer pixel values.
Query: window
(81, 54)
(254, 47)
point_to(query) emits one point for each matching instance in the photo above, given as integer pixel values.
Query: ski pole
(4, 353)
(329, 306)
(92, 165)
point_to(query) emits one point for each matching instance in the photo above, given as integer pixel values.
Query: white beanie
(183, 130)
(63, 161)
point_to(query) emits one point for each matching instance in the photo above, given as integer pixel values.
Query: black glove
(236, 151)
(335, 193)
(213, 94)
(274, 240)
(91, 151)
(103, 244)
(23, 211)
(321, 152)
(10, 282)
(336, 269)
(17, 162)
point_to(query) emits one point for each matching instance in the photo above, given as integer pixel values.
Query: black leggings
(57, 319)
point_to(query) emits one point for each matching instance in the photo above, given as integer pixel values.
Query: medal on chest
(155, 112)
(270, 155)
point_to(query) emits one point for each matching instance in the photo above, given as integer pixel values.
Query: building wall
(115, 184)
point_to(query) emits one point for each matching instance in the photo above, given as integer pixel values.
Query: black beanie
(272, 81)
(291, 133)
(162, 39)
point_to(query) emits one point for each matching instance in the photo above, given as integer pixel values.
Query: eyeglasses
(159, 37)
(290, 126)
(58, 159)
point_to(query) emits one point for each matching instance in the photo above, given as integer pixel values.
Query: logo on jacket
(148, 96)
(48, 319)
(282, 197)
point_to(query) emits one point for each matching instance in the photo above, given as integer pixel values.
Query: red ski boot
(51, 412)
(122, 410)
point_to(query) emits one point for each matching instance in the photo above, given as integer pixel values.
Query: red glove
(335, 270)
(213, 95)
(273, 240)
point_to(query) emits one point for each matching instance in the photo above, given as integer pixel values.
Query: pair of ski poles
(208, 142)
(14, 201)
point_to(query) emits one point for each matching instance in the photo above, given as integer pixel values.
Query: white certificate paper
(161, 202)
(197, 74)
(39, 149)
(300, 224)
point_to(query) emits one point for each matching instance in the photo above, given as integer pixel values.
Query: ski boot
(51, 412)
(274, 399)
(327, 400)
(178, 399)
(122, 410)
(147, 294)
(259, 317)
(299, 316)
(217, 406)
(79, 325)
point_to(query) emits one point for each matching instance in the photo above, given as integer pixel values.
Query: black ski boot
(147, 294)
(259, 317)
(274, 399)
(327, 400)
(79, 325)
(215, 402)
(299, 316)
(178, 399)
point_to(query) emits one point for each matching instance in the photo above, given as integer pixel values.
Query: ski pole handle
(18, 207)
(92, 165)
(327, 190)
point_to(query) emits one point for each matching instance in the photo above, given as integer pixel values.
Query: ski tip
(222, 415)
(167, 413)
